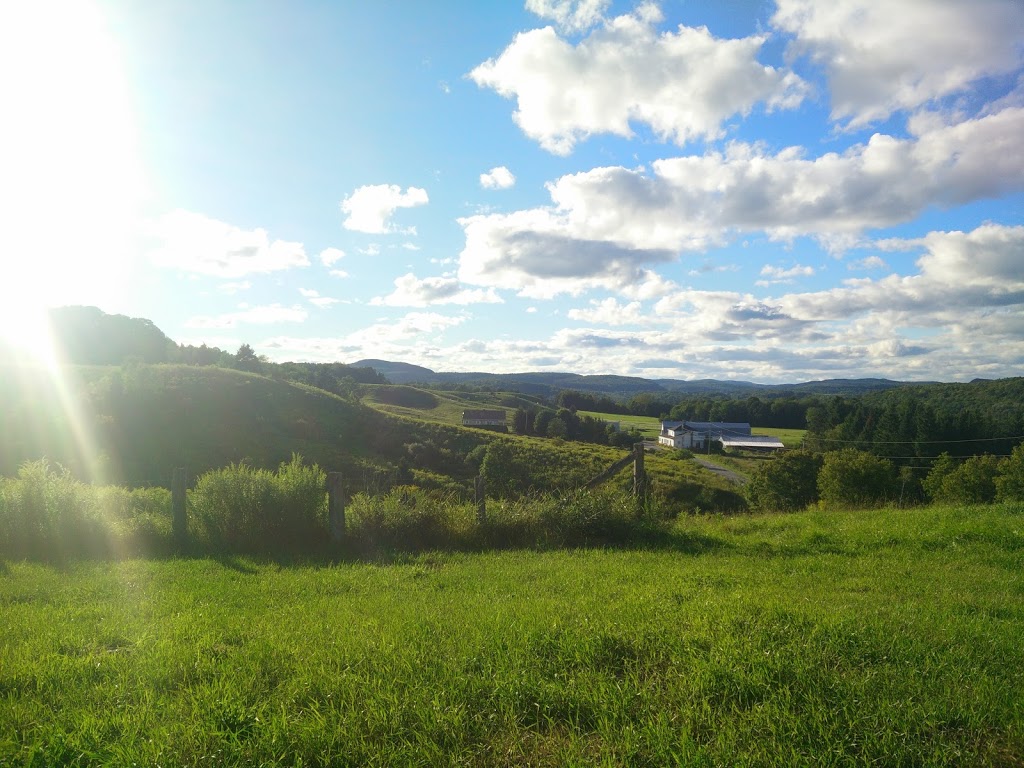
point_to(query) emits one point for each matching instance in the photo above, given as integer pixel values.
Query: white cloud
(195, 243)
(338, 273)
(570, 15)
(373, 249)
(610, 312)
(316, 299)
(410, 246)
(411, 291)
(607, 226)
(684, 85)
(775, 275)
(497, 178)
(261, 315)
(330, 256)
(883, 57)
(867, 263)
(233, 288)
(371, 207)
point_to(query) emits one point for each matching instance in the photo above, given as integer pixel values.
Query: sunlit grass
(859, 638)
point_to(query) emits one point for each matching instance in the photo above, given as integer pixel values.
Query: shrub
(855, 478)
(972, 482)
(243, 509)
(407, 518)
(1010, 479)
(787, 482)
(46, 514)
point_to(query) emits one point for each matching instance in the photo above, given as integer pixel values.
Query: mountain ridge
(551, 382)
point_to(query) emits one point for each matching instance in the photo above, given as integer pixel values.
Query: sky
(761, 190)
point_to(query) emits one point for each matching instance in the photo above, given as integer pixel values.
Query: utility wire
(914, 442)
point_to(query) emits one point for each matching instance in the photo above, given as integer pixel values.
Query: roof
(751, 441)
(484, 413)
(718, 427)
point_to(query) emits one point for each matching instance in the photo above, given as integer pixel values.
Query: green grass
(791, 438)
(648, 426)
(883, 637)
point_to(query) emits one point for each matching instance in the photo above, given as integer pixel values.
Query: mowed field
(824, 638)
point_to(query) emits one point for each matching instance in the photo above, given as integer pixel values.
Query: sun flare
(70, 181)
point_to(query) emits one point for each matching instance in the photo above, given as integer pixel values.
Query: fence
(337, 498)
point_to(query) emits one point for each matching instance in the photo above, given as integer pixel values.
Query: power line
(914, 442)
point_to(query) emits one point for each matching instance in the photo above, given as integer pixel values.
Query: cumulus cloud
(868, 263)
(330, 256)
(384, 339)
(260, 315)
(527, 252)
(880, 58)
(411, 291)
(611, 312)
(684, 85)
(607, 226)
(570, 15)
(198, 244)
(316, 299)
(370, 208)
(497, 178)
(981, 269)
(772, 275)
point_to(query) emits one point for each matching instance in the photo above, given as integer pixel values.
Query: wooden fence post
(335, 506)
(179, 515)
(480, 490)
(639, 478)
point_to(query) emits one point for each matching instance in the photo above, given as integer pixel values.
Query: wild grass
(854, 638)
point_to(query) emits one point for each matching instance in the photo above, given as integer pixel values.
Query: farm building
(752, 442)
(694, 434)
(483, 418)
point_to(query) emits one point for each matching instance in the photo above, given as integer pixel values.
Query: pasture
(826, 638)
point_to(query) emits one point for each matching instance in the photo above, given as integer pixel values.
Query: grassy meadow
(820, 638)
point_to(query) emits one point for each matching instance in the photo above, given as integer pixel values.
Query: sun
(70, 180)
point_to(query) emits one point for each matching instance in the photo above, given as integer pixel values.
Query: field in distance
(650, 427)
(826, 638)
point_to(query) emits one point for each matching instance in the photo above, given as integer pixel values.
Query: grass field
(882, 637)
(650, 427)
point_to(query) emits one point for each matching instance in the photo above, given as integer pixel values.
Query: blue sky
(759, 190)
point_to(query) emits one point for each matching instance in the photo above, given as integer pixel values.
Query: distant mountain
(551, 383)
(396, 373)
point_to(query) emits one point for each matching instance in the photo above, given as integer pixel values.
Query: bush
(1010, 479)
(243, 509)
(971, 482)
(407, 518)
(786, 483)
(855, 479)
(46, 514)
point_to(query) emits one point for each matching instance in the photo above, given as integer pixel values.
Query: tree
(1010, 480)
(942, 468)
(855, 478)
(787, 482)
(246, 359)
(971, 482)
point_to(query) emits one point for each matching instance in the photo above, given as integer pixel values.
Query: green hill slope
(138, 422)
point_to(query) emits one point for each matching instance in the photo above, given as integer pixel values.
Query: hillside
(138, 422)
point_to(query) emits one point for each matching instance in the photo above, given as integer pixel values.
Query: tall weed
(46, 514)
(243, 509)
